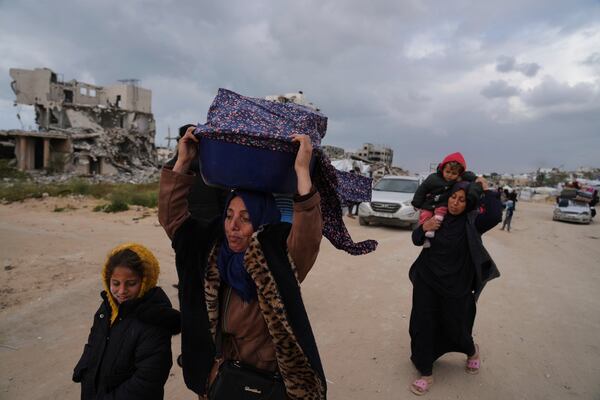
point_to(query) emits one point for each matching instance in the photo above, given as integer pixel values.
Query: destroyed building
(333, 152)
(376, 153)
(295, 97)
(82, 128)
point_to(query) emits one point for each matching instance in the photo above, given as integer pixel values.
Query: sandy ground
(538, 325)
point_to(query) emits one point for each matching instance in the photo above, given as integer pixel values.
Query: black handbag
(237, 381)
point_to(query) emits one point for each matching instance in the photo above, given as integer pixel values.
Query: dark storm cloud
(384, 72)
(528, 69)
(499, 88)
(505, 64)
(509, 64)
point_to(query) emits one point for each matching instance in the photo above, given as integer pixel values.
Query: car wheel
(362, 221)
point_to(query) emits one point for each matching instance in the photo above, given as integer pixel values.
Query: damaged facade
(295, 97)
(376, 153)
(83, 128)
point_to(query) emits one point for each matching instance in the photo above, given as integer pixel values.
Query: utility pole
(169, 138)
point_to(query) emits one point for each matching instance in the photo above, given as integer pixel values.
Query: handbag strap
(219, 342)
(219, 331)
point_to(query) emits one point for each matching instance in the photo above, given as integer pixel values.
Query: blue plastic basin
(232, 165)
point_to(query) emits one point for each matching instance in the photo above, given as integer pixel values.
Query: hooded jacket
(434, 190)
(128, 352)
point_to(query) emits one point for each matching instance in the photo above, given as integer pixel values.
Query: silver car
(572, 211)
(390, 203)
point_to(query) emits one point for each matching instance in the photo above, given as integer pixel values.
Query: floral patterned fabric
(353, 188)
(269, 125)
(233, 113)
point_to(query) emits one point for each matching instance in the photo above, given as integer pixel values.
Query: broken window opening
(95, 166)
(38, 157)
(7, 150)
(118, 102)
(83, 91)
(53, 118)
(68, 96)
(92, 92)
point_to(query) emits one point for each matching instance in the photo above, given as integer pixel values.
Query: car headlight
(405, 203)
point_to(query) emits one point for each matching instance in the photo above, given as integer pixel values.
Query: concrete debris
(83, 129)
(296, 98)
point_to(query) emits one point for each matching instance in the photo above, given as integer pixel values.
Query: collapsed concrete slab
(84, 129)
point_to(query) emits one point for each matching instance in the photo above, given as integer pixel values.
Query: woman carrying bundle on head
(245, 330)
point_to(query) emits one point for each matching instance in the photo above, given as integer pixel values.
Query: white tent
(348, 165)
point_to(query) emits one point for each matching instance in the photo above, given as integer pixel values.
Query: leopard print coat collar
(300, 379)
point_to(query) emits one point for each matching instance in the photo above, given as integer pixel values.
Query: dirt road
(538, 325)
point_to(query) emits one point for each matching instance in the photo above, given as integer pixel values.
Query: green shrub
(145, 199)
(116, 206)
(56, 164)
(20, 191)
(7, 171)
(67, 207)
(145, 195)
(78, 186)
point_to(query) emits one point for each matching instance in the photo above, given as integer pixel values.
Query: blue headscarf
(262, 210)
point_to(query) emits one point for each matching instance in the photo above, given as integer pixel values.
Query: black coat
(434, 191)
(477, 222)
(132, 358)
(192, 243)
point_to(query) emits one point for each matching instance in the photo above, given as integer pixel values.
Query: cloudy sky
(514, 85)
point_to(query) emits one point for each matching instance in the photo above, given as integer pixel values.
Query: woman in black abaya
(448, 278)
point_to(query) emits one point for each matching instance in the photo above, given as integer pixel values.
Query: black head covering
(465, 186)
(447, 266)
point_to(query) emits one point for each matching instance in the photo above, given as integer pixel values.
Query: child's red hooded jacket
(434, 191)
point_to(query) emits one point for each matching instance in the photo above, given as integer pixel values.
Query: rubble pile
(84, 130)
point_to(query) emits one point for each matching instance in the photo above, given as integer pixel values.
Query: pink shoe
(474, 364)
(420, 387)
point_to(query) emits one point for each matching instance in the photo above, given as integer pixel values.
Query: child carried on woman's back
(432, 194)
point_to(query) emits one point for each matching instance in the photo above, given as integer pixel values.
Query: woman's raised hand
(483, 182)
(302, 163)
(187, 148)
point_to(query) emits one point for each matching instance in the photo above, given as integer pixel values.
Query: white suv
(390, 202)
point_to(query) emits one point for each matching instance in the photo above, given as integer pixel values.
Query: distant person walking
(448, 278)
(514, 198)
(508, 214)
(352, 206)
